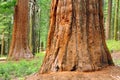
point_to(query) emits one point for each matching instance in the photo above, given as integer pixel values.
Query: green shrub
(113, 45)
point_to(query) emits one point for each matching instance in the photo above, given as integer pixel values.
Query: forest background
(39, 29)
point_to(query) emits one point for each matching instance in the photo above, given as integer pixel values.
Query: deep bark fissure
(87, 31)
(53, 16)
(52, 58)
(89, 28)
(74, 26)
(79, 66)
(65, 52)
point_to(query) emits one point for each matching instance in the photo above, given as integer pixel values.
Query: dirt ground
(108, 73)
(116, 55)
(116, 58)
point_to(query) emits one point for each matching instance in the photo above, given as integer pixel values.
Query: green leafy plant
(12, 69)
(113, 45)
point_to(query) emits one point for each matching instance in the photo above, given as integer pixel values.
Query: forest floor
(108, 73)
(116, 55)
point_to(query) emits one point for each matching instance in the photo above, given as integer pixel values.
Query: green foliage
(44, 6)
(6, 5)
(113, 45)
(105, 8)
(10, 70)
(6, 20)
(6, 11)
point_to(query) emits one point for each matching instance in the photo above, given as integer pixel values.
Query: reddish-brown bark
(19, 46)
(76, 40)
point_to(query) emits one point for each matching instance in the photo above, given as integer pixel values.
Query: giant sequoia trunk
(76, 40)
(19, 46)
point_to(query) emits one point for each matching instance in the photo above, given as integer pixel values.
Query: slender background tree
(108, 20)
(116, 20)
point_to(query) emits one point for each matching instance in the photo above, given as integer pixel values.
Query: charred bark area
(19, 47)
(76, 40)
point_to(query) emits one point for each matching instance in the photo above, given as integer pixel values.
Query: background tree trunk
(3, 44)
(116, 20)
(39, 32)
(108, 22)
(76, 40)
(19, 46)
(33, 33)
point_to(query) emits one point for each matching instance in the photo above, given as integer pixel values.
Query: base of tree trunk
(109, 73)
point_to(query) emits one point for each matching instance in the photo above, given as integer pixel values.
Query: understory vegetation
(18, 69)
(113, 45)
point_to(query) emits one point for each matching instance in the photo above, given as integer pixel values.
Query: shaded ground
(109, 73)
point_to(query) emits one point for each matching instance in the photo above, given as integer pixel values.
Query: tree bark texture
(108, 20)
(76, 40)
(19, 46)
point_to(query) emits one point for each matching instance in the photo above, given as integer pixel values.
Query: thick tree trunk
(108, 20)
(19, 46)
(76, 40)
